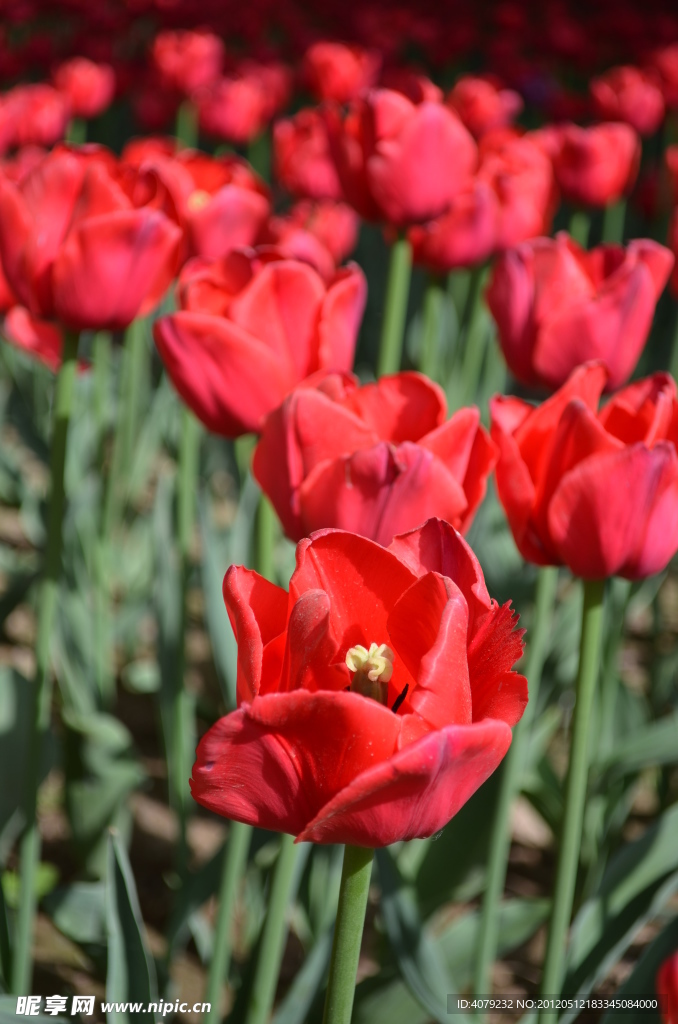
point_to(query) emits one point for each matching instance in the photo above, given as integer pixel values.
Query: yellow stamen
(372, 670)
(198, 199)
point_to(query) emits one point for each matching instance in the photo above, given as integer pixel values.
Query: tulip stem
(474, 337)
(348, 933)
(395, 311)
(613, 223)
(434, 297)
(181, 755)
(235, 858)
(186, 127)
(580, 226)
(41, 691)
(77, 131)
(575, 790)
(266, 530)
(513, 767)
(274, 934)
(259, 155)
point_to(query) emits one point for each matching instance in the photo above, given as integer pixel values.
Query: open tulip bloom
(373, 699)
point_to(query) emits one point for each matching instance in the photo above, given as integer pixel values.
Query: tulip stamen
(400, 698)
(372, 670)
(198, 199)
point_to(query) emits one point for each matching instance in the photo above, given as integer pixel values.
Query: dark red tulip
(339, 72)
(375, 460)
(557, 306)
(302, 161)
(187, 60)
(238, 107)
(665, 63)
(323, 234)
(249, 328)
(667, 986)
(32, 115)
(373, 699)
(483, 105)
(594, 166)
(631, 95)
(594, 489)
(88, 87)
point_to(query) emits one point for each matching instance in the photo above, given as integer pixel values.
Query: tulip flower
(373, 699)
(483, 105)
(376, 460)
(219, 202)
(81, 245)
(338, 72)
(249, 328)
(88, 87)
(463, 236)
(630, 95)
(667, 986)
(594, 489)
(32, 115)
(557, 306)
(187, 60)
(594, 166)
(302, 161)
(238, 107)
(665, 63)
(399, 161)
(323, 234)
(521, 177)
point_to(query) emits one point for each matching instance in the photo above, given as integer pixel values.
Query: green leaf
(79, 912)
(418, 958)
(656, 744)
(299, 998)
(639, 880)
(130, 972)
(387, 1000)
(215, 561)
(641, 981)
(8, 1014)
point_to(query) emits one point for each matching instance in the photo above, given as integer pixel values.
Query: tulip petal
(228, 378)
(258, 613)
(380, 492)
(339, 323)
(614, 514)
(231, 219)
(496, 690)
(402, 407)
(311, 651)
(428, 627)
(362, 579)
(415, 792)
(38, 338)
(109, 267)
(437, 547)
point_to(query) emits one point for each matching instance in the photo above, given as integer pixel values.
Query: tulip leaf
(656, 744)
(130, 972)
(641, 981)
(639, 880)
(419, 960)
(387, 1000)
(8, 1014)
(5, 941)
(79, 912)
(214, 563)
(299, 998)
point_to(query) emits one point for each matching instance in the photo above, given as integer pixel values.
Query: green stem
(77, 131)
(235, 859)
(575, 791)
(613, 222)
(395, 311)
(580, 226)
(474, 338)
(259, 155)
(348, 933)
(266, 531)
(274, 934)
(180, 755)
(41, 692)
(513, 766)
(434, 298)
(186, 128)
(101, 366)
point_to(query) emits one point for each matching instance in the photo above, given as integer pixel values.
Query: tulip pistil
(372, 670)
(198, 199)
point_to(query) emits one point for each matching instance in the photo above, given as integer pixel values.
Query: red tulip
(594, 489)
(32, 115)
(631, 95)
(665, 63)
(220, 202)
(464, 236)
(594, 166)
(557, 306)
(302, 161)
(521, 177)
(673, 243)
(83, 246)
(38, 338)
(187, 60)
(250, 327)
(376, 460)
(399, 161)
(373, 699)
(483, 105)
(237, 108)
(322, 234)
(338, 72)
(88, 87)
(667, 986)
